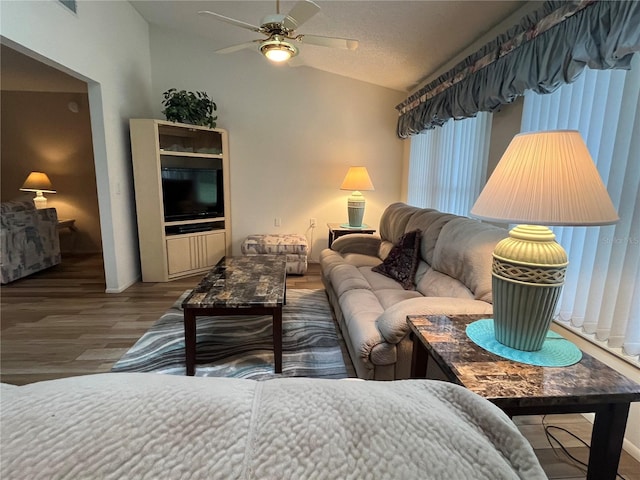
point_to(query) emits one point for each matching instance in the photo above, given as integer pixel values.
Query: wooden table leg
(277, 339)
(606, 441)
(190, 341)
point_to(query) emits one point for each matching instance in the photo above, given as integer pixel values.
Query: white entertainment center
(181, 177)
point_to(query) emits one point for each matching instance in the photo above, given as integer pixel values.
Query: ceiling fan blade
(332, 42)
(300, 13)
(240, 46)
(232, 21)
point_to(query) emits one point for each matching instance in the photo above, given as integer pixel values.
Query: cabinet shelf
(166, 251)
(198, 220)
(175, 153)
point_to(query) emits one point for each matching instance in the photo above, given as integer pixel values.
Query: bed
(143, 425)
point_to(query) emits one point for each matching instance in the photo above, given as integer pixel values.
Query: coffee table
(520, 389)
(249, 285)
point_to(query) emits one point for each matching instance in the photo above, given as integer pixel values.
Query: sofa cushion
(379, 282)
(464, 251)
(402, 261)
(429, 222)
(393, 322)
(360, 260)
(360, 304)
(394, 220)
(390, 296)
(347, 277)
(436, 284)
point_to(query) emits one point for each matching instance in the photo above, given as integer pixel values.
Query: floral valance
(546, 49)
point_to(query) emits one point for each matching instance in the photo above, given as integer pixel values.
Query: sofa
(29, 239)
(449, 272)
(152, 426)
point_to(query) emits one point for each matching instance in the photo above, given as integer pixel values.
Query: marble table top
(237, 282)
(512, 384)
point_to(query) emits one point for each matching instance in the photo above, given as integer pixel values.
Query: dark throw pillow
(402, 262)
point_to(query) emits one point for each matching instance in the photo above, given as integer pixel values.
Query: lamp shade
(37, 182)
(546, 178)
(357, 178)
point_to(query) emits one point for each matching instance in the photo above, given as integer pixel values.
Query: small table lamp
(543, 178)
(38, 182)
(357, 179)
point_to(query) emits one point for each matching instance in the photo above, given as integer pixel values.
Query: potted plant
(188, 107)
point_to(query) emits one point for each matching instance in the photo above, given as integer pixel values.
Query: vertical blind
(448, 165)
(601, 296)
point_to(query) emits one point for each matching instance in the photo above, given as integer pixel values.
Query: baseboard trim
(122, 288)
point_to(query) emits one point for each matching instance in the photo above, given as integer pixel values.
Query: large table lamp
(543, 178)
(38, 182)
(357, 180)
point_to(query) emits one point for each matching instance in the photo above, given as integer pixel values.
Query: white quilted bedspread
(150, 426)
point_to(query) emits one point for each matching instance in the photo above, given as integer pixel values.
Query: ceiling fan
(280, 31)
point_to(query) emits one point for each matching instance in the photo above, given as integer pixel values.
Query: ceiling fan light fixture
(278, 50)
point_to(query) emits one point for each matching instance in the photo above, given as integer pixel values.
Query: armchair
(28, 239)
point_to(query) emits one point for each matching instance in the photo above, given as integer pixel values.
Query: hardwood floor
(59, 323)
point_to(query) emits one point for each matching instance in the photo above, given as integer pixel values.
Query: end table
(337, 230)
(520, 389)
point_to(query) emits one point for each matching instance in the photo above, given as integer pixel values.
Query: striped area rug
(242, 346)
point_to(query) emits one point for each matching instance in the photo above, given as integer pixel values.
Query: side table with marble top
(519, 389)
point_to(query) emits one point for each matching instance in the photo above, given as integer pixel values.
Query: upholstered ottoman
(292, 245)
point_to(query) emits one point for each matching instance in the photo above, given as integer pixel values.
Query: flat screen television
(192, 192)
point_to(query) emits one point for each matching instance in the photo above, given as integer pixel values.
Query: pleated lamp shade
(546, 178)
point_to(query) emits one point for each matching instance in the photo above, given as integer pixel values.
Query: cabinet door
(179, 255)
(194, 252)
(215, 247)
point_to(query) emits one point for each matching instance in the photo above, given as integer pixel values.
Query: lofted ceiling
(402, 43)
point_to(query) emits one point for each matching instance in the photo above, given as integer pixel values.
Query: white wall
(107, 45)
(293, 133)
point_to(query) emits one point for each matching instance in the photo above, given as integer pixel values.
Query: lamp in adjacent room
(357, 179)
(38, 182)
(543, 178)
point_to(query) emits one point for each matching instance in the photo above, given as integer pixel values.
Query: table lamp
(543, 178)
(357, 179)
(38, 182)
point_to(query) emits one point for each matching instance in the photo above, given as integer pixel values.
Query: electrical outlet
(276, 222)
(312, 222)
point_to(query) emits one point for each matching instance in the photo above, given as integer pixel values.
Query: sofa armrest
(362, 243)
(393, 324)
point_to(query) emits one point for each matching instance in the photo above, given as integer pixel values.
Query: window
(448, 165)
(601, 296)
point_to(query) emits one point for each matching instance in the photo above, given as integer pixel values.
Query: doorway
(46, 127)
